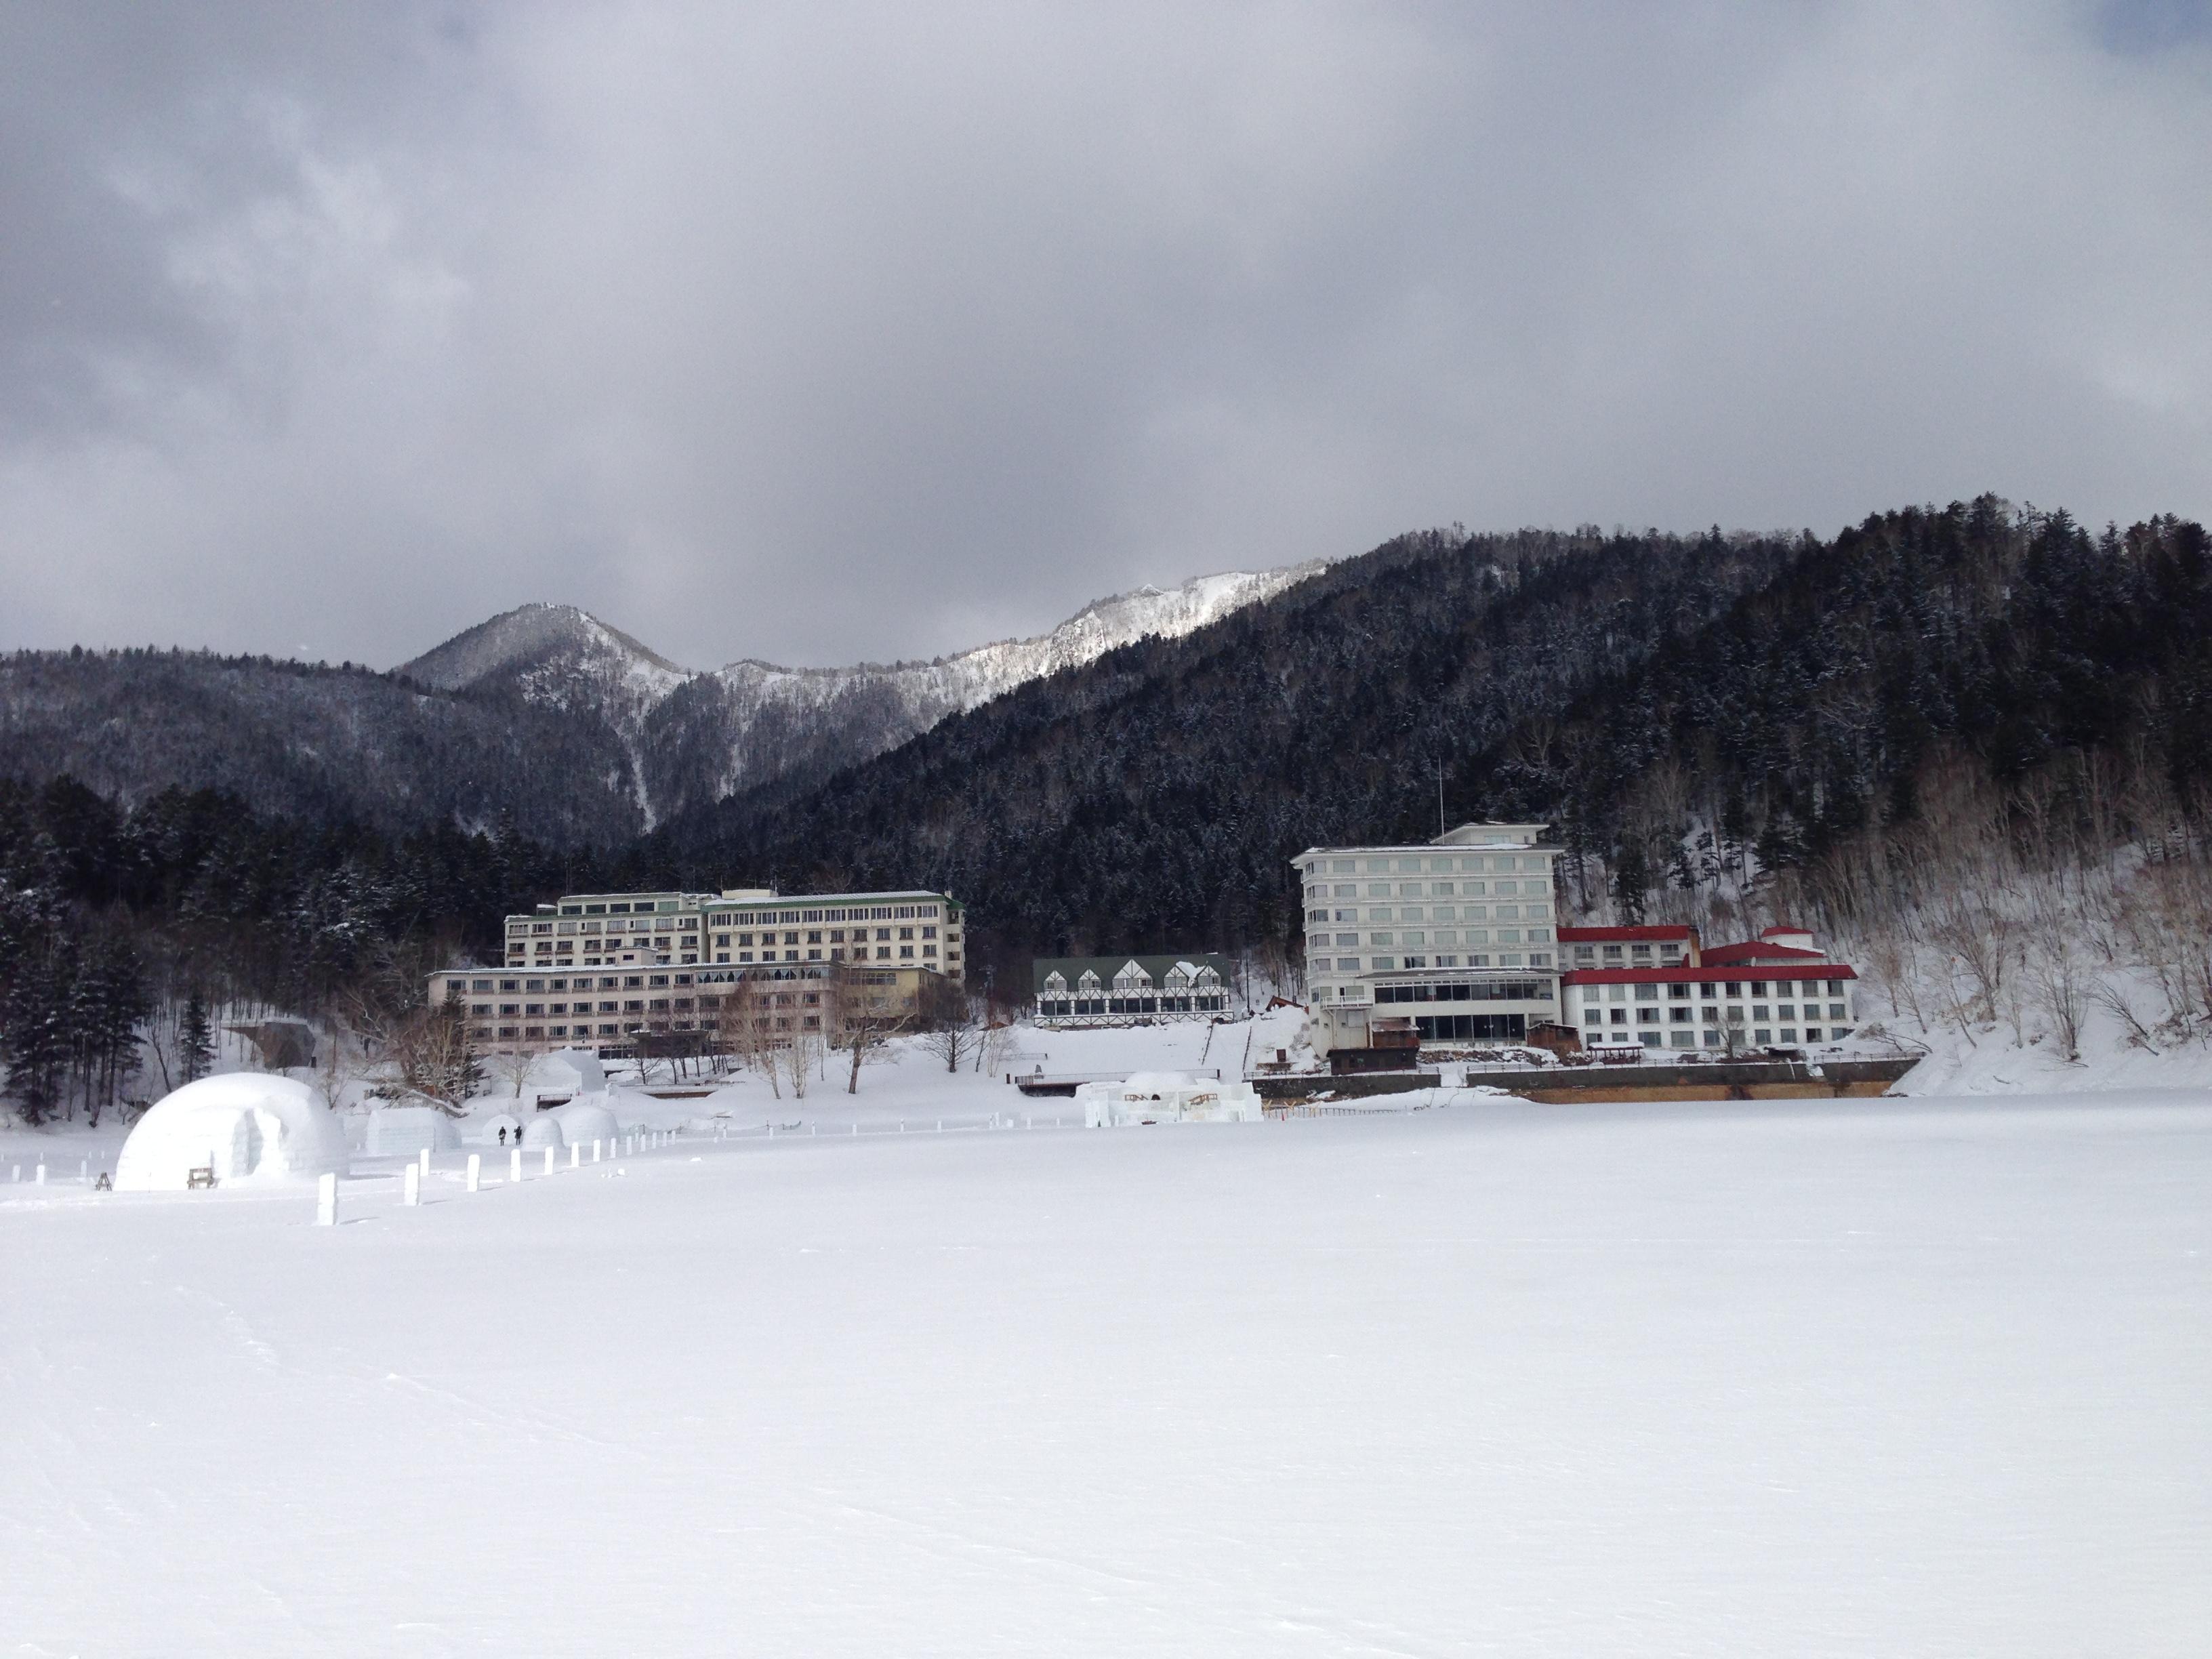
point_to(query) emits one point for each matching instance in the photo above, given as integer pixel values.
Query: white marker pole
(514, 1167)
(595, 1152)
(326, 1201)
(84, 1168)
(410, 1184)
(41, 1178)
(549, 1160)
(575, 1156)
(475, 1171)
(426, 1163)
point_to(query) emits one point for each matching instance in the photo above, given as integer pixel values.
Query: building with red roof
(1779, 990)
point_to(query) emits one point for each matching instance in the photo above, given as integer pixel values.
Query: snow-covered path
(1867, 1377)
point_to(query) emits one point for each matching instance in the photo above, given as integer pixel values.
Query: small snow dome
(487, 1128)
(243, 1125)
(543, 1130)
(583, 1122)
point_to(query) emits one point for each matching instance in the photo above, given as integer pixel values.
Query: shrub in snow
(408, 1129)
(245, 1126)
(1167, 1097)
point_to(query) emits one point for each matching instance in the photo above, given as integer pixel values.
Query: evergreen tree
(34, 1037)
(195, 1040)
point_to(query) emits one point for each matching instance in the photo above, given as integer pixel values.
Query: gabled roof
(1073, 967)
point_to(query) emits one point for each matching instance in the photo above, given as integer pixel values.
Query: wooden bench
(202, 1176)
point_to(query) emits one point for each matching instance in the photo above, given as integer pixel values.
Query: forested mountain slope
(1714, 712)
(544, 714)
(1155, 795)
(309, 742)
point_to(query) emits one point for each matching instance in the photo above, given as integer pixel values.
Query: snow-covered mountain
(694, 737)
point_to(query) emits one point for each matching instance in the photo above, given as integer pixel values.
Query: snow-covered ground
(1864, 1377)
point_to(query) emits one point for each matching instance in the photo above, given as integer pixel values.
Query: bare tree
(952, 1026)
(435, 1058)
(2058, 984)
(862, 1021)
(512, 1066)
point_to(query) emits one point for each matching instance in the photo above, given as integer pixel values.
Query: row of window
(1076, 1007)
(1712, 990)
(581, 982)
(722, 941)
(1507, 990)
(757, 918)
(1759, 1038)
(1432, 863)
(1384, 912)
(1471, 1028)
(855, 953)
(1670, 953)
(1388, 939)
(1406, 890)
(1712, 1015)
(1391, 964)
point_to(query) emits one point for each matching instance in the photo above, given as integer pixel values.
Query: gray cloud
(820, 334)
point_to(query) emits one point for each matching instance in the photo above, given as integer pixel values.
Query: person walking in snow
(502, 1134)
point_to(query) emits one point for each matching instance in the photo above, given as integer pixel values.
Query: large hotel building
(1458, 934)
(599, 969)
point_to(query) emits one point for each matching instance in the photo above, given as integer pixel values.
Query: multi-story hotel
(1779, 989)
(665, 962)
(1459, 935)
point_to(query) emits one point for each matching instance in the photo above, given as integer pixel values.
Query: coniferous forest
(1713, 725)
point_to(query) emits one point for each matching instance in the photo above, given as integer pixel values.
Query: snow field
(1849, 1377)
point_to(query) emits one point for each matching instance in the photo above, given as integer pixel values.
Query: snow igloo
(543, 1130)
(488, 1129)
(245, 1126)
(409, 1129)
(583, 1122)
(1167, 1097)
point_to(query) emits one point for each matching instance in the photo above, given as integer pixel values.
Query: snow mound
(574, 1071)
(543, 1130)
(243, 1125)
(583, 1122)
(488, 1129)
(409, 1129)
(1167, 1097)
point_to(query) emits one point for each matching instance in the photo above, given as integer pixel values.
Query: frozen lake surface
(1863, 1378)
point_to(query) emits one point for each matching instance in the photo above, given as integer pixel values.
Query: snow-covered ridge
(694, 736)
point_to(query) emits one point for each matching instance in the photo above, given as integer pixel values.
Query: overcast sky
(820, 334)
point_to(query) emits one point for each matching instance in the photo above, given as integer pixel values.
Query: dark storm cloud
(817, 333)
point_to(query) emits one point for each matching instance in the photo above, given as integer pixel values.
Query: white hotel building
(1460, 935)
(664, 962)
